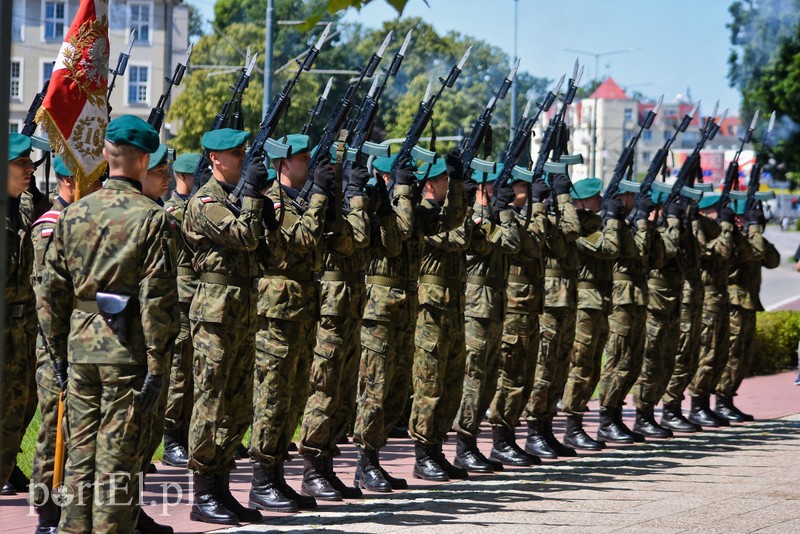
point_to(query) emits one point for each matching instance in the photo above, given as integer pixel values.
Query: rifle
(222, 117)
(336, 122)
(119, 70)
(732, 174)
(753, 197)
(421, 120)
(624, 164)
(156, 118)
(314, 113)
(29, 126)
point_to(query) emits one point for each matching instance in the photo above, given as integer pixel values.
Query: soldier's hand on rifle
(151, 390)
(614, 208)
(359, 176)
(471, 189)
(756, 216)
(505, 196)
(255, 179)
(405, 173)
(539, 191)
(324, 177)
(561, 184)
(268, 216)
(644, 207)
(455, 170)
(676, 209)
(61, 374)
(727, 215)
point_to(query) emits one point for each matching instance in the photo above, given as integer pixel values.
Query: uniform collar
(123, 183)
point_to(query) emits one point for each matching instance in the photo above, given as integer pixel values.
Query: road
(780, 289)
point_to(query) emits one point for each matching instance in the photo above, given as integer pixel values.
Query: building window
(647, 135)
(138, 84)
(628, 114)
(55, 19)
(47, 71)
(13, 127)
(18, 20)
(646, 156)
(16, 80)
(140, 19)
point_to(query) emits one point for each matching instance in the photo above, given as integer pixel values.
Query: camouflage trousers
(658, 362)
(518, 350)
(438, 372)
(557, 327)
(591, 334)
(713, 344)
(158, 428)
(15, 389)
(740, 353)
(223, 394)
(44, 460)
(483, 339)
(334, 374)
(284, 350)
(181, 384)
(384, 375)
(686, 352)
(624, 350)
(108, 434)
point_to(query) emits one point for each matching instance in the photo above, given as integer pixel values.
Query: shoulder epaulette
(47, 217)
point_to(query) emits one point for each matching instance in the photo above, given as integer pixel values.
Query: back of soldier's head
(128, 145)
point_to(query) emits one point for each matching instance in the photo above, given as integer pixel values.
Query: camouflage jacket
(560, 271)
(744, 280)
(223, 255)
(19, 263)
(116, 241)
(287, 289)
(487, 264)
(187, 277)
(41, 231)
(629, 273)
(398, 273)
(596, 252)
(526, 269)
(716, 246)
(665, 280)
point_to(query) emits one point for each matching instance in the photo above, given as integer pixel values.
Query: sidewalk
(738, 479)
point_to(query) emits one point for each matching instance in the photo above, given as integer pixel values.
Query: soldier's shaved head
(126, 160)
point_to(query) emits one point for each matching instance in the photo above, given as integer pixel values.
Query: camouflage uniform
(32, 205)
(487, 274)
(596, 253)
(223, 322)
(288, 309)
(127, 240)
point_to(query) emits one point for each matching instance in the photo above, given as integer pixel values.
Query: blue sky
(678, 44)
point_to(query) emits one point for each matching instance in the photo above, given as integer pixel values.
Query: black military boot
(426, 466)
(18, 480)
(506, 450)
(304, 502)
(575, 436)
(222, 483)
(49, 513)
(559, 448)
(646, 424)
(147, 525)
(610, 430)
(207, 508)
(266, 493)
(724, 410)
(468, 456)
(452, 471)
(347, 492)
(536, 443)
(673, 419)
(700, 413)
(174, 452)
(368, 472)
(396, 483)
(315, 480)
(746, 417)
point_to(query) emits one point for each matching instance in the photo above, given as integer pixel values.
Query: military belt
(587, 285)
(554, 272)
(520, 279)
(185, 271)
(15, 311)
(225, 280)
(449, 283)
(395, 283)
(296, 277)
(338, 276)
(657, 282)
(621, 277)
(88, 306)
(494, 283)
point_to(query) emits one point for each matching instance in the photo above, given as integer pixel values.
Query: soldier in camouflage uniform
(288, 309)
(627, 321)
(520, 334)
(123, 325)
(223, 319)
(717, 243)
(387, 331)
(557, 330)
(180, 397)
(19, 330)
(596, 253)
(494, 238)
(439, 356)
(744, 284)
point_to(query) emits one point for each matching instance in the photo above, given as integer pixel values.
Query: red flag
(75, 111)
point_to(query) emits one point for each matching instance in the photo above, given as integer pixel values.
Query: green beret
(299, 143)
(586, 188)
(271, 174)
(60, 167)
(428, 171)
(708, 201)
(158, 157)
(186, 163)
(19, 146)
(223, 139)
(384, 165)
(133, 131)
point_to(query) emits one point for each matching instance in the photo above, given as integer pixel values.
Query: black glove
(614, 208)
(61, 373)
(505, 196)
(676, 209)
(405, 173)
(359, 176)
(644, 207)
(470, 189)
(455, 170)
(151, 391)
(756, 216)
(255, 179)
(727, 215)
(561, 184)
(323, 178)
(383, 202)
(539, 191)
(268, 217)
